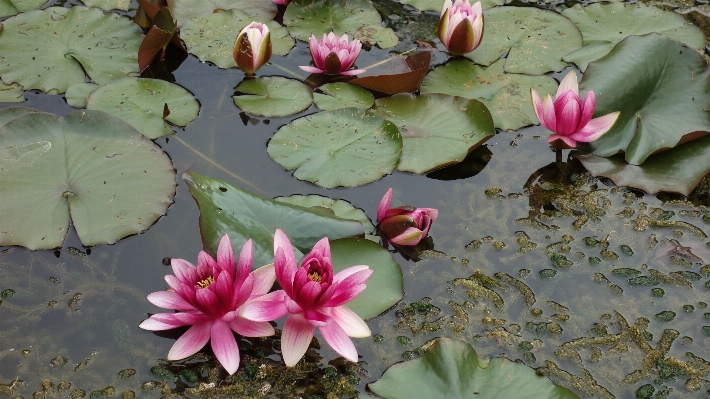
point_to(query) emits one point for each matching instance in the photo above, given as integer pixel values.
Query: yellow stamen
(206, 282)
(315, 276)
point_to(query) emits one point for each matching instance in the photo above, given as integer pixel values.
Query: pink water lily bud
(405, 225)
(284, 2)
(209, 297)
(334, 55)
(568, 118)
(312, 296)
(461, 26)
(252, 49)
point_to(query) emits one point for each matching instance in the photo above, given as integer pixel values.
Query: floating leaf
(452, 369)
(273, 96)
(605, 25)
(184, 10)
(77, 94)
(11, 93)
(677, 170)
(141, 103)
(340, 208)
(472, 165)
(385, 286)
(211, 37)
(306, 17)
(108, 5)
(343, 95)
(13, 7)
(226, 209)
(158, 37)
(113, 181)
(535, 40)
(437, 129)
(407, 77)
(506, 95)
(346, 147)
(438, 5)
(50, 49)
(662, 89)
(10, 113)
(376, 35)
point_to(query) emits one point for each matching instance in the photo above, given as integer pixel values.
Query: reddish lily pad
(408, 76)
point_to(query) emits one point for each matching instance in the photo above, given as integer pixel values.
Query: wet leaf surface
(12, 7)
(184, 10)
(273, 96)
(342, 95)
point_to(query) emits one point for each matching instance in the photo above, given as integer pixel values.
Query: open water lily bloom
(252, 49)
(568, 118)
(312, 296)
(209, 298)
(405, 225)
(461, 26)
(334, 55)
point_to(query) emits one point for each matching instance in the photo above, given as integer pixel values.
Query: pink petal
(244, 262)
(191, 342)
(183, 270)
(296, 337)
(169, 300)
(596, 127)
(567, 139)
(348, 288)
(207, 300)
(350, 322)
(353, 72)
(225, 255)
(292, 306)
(284, 261)
(265, 308)
(569, 83)
(174, 283)
(224, 346)
(548, 112)
(568, 112)
(248, 328)
(537, 106)
(346, 296)
(264, 278)
(384, 205)
(160, 322)
(311, 69)
(343, 274)
(206, 266)
(309, 294)
(339, 341)
(587, 110)
(245, 291)
(191, 318)
(317, 318)
(410, 236)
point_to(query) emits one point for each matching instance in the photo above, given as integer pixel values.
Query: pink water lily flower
(405, 225)
(209, 298)
(461, 26)
(568, 118)
(334, 55)
(252, 49)
(312, 296)
(284, 2)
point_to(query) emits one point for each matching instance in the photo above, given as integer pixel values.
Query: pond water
(559, 253)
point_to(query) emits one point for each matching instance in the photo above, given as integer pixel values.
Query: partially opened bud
(461, 26)
(253, 47)
(405, 225)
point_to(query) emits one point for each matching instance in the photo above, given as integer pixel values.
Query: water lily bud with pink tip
(334, 55)
(405, 225)
(461, 26)
(284, 2)
(252, 49)
(568, 118)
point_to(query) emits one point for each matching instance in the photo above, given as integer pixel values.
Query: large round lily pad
(604, 25)
(50, 49)
(386, 284)
(662, 89)
(437, 5)
(343, 95)
(211, 37)
(273, 96)
(506, 95)
(437, 129)
(141, 103)
(11, 93)
(184, 10)
(452, 369)
(226, 209)
(346, 147)
(536, 40)
(340, 208)
(13, 7)
(90, 165)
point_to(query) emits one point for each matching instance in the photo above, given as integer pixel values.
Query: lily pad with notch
(408, 74)
(13, 7)
(57, 47)
(347, 147)
(437, 129)
(185, 10)
(273, 96)
(88, 164)
(342, 95)
(11, 93)
(227, 209)
(340, 208)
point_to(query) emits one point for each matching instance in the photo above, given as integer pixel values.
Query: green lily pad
(677, 170)
(438, 5)
(343, 95)
(662, 89)
(11, 93)
(226, 209)
(340, 208)
(386, 284)
(10, 113)
(273, 96)
(113, 181)
(506, 95)
(77, 94)
(604, 25)
(536, 40)
(14, 7)
(211, 37)
(346, 147)
(50, 49)
(108, 5)
(306, 17)
(452, 369)
(376, 35)
(437, 129)
(141, 102)
(184, 10)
